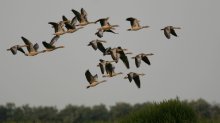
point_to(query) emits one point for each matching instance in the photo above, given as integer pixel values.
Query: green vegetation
(170, 111)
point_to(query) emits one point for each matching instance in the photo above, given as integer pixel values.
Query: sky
(186, 66)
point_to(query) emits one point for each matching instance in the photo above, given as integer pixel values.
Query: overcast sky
(186, 66)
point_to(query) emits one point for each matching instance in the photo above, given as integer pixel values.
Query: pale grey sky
(187, 66)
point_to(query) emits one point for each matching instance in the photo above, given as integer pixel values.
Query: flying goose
(105, 25)
(16, 48)
(93, 80)
(134, 76)
(50, 46)
(135, 24)
(70, 25)
(82, 17)
(58, 27)
(32, 49)
(170, 30)
(142, 56)
(110, 70)
(102, 65)
(97, 44)
(117, 53)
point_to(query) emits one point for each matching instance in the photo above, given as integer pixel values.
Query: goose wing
(124, 58)
(99, 33)
(21, 49)
(89, 76)
(30, 47)
(65, 19)
(93, 44)
(101, 47)
(132, 21)
(137, 80)
(109, 69)
(69, 26)
(167, 33)
(36, 46)
(109, 30)
(54, 39)
(103, 21)
(130, 76)
(102, 68)
(84, 13)
(14, 50)
(73, 21)
(47, 45)
(172, 31)
(137, 61)
(55, 26)
(78, 15)
(145, 59)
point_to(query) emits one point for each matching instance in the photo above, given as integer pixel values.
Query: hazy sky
(186, 66)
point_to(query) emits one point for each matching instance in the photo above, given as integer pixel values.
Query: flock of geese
(118, 53)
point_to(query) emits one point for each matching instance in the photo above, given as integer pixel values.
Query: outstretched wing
(47, 45)
(167, 33)
(54, 39)
(21, 49)
(84, 14)
(29, 44)
(78, 15)
(172, 31)
(55, 26)
(137, 61)
(89, 76)
(101, 47)
(137, 80)
(145, 59)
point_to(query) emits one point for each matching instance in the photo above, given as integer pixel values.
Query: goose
(50, 46)
(97, 44)
(93, 80)
(82, 17)
(70, 25)
(135, 24)
(105, 25)
(58, 27)
(16, 48)
(170, 30)
(110, 70)
(102, 65)
(32, 49)
(117, 53)
(134, 76)
(143, 57)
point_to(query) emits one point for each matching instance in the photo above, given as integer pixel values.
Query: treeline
(172, 111)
